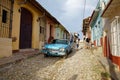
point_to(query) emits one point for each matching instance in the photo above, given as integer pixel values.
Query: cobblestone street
(80, 65)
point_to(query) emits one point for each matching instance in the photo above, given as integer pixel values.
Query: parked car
(58, 47)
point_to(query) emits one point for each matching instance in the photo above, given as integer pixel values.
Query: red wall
(101, 41)
(105, 46)
(107, 52)
(116, 60)
(94, 43)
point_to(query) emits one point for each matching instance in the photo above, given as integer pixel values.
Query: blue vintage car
(58, 47)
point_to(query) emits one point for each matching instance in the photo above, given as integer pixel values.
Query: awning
(111, 9)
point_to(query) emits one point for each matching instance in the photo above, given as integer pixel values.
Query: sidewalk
(107, 64)
(18, 56)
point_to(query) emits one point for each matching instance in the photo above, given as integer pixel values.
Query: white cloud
(71, 7)
(69, 12)
(90, 7)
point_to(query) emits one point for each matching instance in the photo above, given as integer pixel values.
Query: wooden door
(25, 29)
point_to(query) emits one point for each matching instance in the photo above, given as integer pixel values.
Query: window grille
(41, 30)
(5, 18)
(115, 37)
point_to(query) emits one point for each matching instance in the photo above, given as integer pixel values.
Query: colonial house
(6, 11)
(111, 17)
(24, 25)
(86, 28)
(51, 23)
(28, 25)
(57, 31)
(66, 34)
(34, 25)
(61, 32)
(96, 23)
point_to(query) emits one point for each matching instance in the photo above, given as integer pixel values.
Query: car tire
(45, 55)
(66, 55)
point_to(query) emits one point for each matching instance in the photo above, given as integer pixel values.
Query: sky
(70, 13)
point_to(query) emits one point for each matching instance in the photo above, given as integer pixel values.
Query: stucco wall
(49, 24)
(16, 24)
(57, 33)
(47, 31)
(107, 32)
(5, 47)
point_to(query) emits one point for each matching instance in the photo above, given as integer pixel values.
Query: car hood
(55, 46)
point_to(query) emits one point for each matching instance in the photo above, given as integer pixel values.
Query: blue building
(96, 23)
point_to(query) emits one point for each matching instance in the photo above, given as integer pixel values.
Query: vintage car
(58, 47)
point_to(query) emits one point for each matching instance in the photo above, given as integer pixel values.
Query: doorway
(25, 29)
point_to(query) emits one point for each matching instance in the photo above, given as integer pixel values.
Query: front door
(25, 29)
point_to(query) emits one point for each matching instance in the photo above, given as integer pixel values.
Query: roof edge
(106, 7)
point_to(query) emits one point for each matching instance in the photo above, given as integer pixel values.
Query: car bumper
(53, 53)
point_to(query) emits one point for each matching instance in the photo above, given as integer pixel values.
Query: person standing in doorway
(50, 39)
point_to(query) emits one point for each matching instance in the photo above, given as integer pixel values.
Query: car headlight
(43, 47)
(62, 49)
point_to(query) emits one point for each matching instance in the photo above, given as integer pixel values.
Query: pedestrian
(77, 43)
(84, 38)
(71, 39)
(87, 43)
(51, 38)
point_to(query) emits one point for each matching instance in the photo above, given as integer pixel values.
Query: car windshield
(57, 41)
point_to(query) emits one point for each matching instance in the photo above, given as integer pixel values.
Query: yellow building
(28, 25)
(50, 28)
(6, 7)
(24, 24)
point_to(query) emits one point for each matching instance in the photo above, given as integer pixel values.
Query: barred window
(41, 30)
(4, 16)
(115, 37)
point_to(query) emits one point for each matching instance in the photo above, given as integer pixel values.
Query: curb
(20, 58)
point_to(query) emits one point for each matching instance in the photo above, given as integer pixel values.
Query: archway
(25, 29)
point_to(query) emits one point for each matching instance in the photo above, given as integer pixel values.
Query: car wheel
(45, 55)
(66, 55)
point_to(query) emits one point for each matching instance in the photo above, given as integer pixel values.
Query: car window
(57, 41)
(54, 41)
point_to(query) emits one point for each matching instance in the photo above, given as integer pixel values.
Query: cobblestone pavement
(80, 65)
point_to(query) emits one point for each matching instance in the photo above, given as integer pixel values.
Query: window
(4, 16)
(41, 30)
(98, 22)
(115, 37)
(57, 34)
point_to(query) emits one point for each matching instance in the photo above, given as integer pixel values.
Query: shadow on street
(112, 70)
(72, 53)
